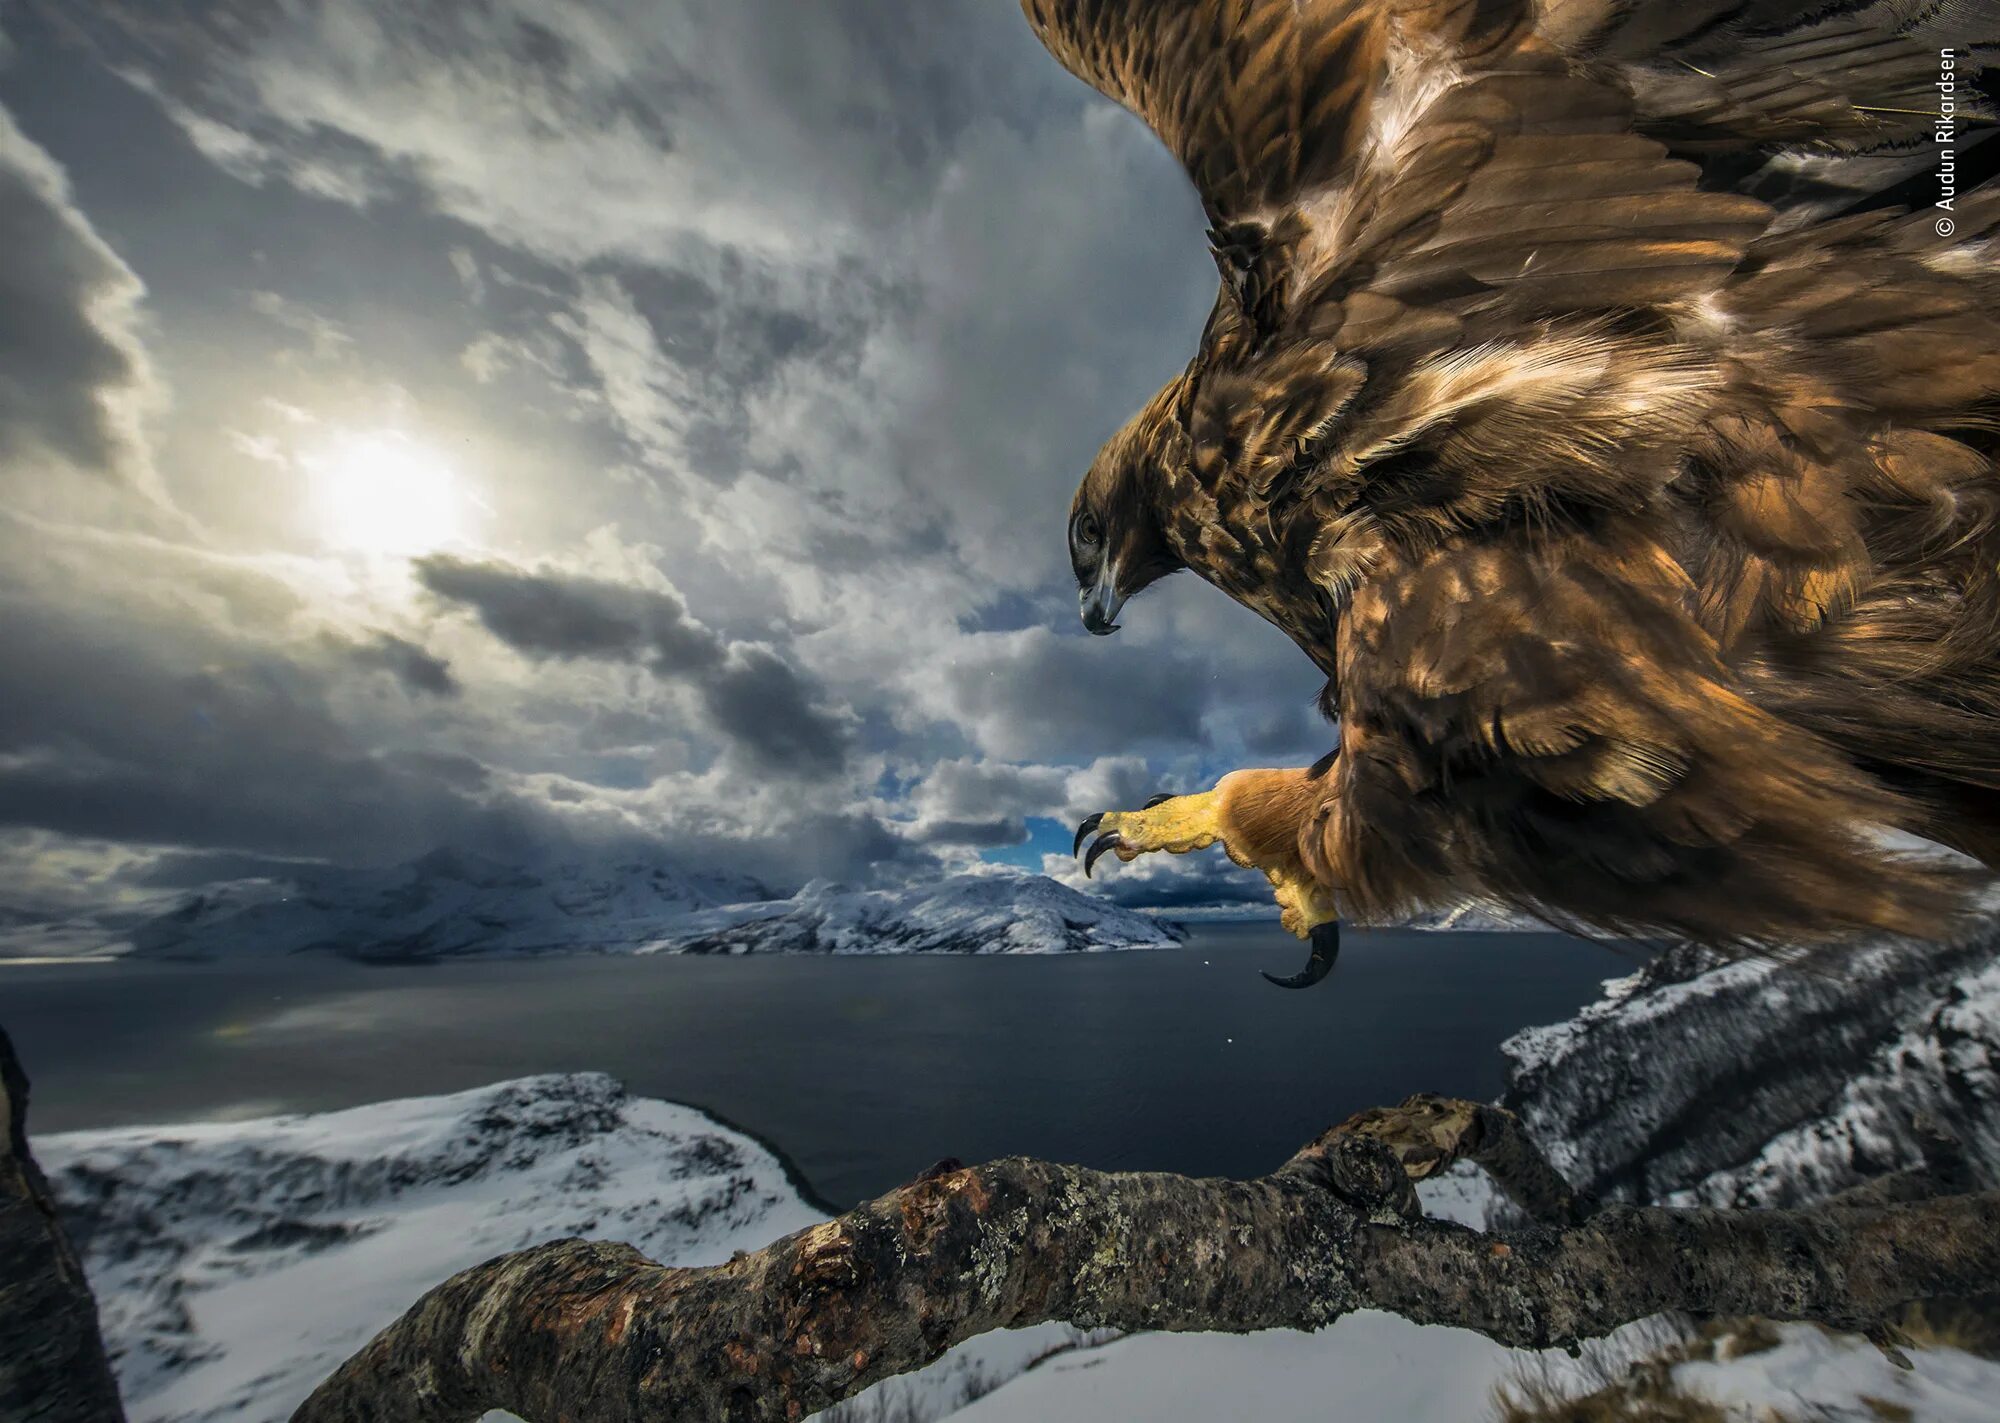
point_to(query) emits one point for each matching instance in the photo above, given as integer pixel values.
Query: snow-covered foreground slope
(1376, 1368)
(236, 1264)
(1368, 1367)
(451, 905)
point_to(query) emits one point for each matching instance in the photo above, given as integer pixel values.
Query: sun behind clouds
(383, 492)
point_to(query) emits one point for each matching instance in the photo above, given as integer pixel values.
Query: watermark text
(1945, 135)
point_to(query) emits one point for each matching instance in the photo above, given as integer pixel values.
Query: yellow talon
(1257, 818)
(1177, 826)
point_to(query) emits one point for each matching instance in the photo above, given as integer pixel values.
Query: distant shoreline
(44, 960)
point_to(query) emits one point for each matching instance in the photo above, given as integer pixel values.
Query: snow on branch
(579, 1330)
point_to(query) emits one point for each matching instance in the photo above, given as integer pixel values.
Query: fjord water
(862, 1071)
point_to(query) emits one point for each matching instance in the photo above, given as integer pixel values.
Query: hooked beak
(1101, 602)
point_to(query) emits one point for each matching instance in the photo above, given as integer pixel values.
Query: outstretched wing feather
(1551, 724)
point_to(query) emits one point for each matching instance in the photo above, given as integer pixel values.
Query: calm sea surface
(862, 1071)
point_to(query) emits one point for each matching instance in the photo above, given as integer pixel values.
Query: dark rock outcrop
(52, 1363)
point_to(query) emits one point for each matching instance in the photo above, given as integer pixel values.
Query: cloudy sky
(576, 428)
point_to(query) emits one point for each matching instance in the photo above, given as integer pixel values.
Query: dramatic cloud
(1167, 881)
(126, 723)
(238, 754)
(74, 379)
(1020, 692)
(980, 803)
(410, 664)
(741, 360)
(754, 699)
(626, 126)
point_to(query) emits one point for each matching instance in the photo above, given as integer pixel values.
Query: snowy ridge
(451, 905)
(1474, 916)
(1940, 1066)
(237, 1263)
(444, 904)
(970, 914)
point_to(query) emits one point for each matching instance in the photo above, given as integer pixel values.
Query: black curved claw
(1084, 829)
(1156, 800)
(1325, 949)
(1097, 849)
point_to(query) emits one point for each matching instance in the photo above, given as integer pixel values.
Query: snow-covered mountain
(968, 914)
(449, 904)
(1476, 916)
(443, 904)
(237, 1263)
(1468, 916)
(452, 904)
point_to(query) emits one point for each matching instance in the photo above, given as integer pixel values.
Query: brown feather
(1651, 547)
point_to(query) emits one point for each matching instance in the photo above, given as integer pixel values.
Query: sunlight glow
(381, 492)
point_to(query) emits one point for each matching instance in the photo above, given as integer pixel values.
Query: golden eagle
(1580, 399)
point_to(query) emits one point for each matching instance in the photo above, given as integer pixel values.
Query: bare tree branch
(578, 1330)
(1428, 1133)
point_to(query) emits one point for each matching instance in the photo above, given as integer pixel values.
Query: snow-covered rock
(968, 914)
(1754, 1083)
(237, 1263)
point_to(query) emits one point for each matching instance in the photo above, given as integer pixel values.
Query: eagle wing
(1440, 389)
(1263, 101)
(1356, 129)
(1387, 184)
(1542, 722)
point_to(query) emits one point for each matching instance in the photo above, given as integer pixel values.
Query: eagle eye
(1085, 529)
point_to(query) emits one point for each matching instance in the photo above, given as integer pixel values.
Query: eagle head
(1117, 544)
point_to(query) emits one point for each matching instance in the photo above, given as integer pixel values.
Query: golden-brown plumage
(1648, 532)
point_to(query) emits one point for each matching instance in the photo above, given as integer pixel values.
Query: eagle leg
(1257, 817)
